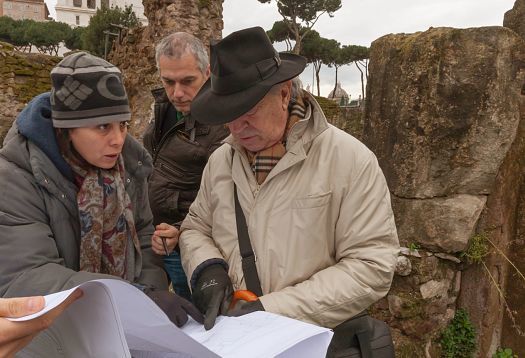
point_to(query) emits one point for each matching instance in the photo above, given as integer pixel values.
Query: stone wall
(443, 117)
(22, 76)
(514, 19)
(135, 54)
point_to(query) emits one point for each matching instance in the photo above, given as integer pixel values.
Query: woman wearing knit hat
(74, 191)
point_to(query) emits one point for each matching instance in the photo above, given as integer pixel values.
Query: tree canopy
(6, 24)
(281, 33)
(301, 15)
(46, 36)
(93, 37)
(317, 51)
(74, 40)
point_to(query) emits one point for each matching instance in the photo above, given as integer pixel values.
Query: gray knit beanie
(87, 91)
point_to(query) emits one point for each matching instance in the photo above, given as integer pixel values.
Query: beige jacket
(321, 225)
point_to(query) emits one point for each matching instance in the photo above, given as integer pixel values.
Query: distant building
(78, 12)
(339, 95)
(24, 9)
(355, 103)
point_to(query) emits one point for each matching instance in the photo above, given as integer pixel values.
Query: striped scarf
(265, 160)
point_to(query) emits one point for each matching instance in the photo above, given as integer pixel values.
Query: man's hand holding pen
(164, 239)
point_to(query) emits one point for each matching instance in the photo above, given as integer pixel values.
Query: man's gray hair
(178, 44)
(297, 87)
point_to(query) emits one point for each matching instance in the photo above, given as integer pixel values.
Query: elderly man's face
(263, 125)
(182, 79)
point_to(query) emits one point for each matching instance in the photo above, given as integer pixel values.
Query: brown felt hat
(244, 66)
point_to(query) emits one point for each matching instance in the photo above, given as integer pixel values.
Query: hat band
(91, 122)
(88, 113)
(246, 77)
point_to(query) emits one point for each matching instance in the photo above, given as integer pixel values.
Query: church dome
(340, 96)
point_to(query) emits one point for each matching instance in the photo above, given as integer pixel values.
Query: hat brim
(211, 108)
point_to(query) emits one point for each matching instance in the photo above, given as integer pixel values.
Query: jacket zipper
(163, 139)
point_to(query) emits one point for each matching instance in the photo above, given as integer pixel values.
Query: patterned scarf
(265, 160)
(108, 238)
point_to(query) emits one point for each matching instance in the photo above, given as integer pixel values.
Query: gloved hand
(213, 293)
(244, 307)
(176, 308)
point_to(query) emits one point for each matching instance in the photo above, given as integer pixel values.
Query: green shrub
(504, 353)
(459, 338)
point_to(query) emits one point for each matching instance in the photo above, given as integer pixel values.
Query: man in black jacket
(180, 147)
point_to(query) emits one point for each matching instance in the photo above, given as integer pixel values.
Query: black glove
(176, 308)
(243, 307)
(212, 293)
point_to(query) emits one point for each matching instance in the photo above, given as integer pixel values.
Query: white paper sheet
(113, 318)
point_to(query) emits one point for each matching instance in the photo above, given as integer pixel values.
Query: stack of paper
(114, 319)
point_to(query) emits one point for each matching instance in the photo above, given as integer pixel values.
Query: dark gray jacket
(179, 156)
(39, 223)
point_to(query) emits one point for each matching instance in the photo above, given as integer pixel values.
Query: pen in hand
(165, 246)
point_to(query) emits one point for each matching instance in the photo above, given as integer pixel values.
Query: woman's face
(101, 145)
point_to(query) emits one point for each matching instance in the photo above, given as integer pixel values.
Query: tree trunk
(335, 86)
(317, 69)
(297, 46)
(362, 80)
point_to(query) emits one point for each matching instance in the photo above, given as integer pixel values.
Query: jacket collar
(160, 95)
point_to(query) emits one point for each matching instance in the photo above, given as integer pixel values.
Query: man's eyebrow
(186, 78)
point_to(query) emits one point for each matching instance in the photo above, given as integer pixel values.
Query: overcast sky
(359, 22)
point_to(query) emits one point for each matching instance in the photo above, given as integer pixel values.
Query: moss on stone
(412, 306)
(204, 4)
(4, 46)
(330, 108)
(409, 350)
(24, 72)
(478, 248)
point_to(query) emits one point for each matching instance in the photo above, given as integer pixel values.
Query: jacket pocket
(164, 169)
(312, 201)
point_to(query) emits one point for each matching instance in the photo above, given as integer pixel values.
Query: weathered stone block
(403, 266)
(442, 224)
(514, 19)
(442, 108)
(434, 288)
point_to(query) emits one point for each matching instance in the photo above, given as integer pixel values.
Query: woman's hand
(170, 234)
(15, 335)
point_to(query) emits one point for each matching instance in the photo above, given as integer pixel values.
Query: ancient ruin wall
(514, 19)
(135, 54)
(443, 117)
(22, 76)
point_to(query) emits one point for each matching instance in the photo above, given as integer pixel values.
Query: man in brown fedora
(315, 201)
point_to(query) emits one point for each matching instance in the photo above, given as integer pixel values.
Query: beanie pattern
(87, 91)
